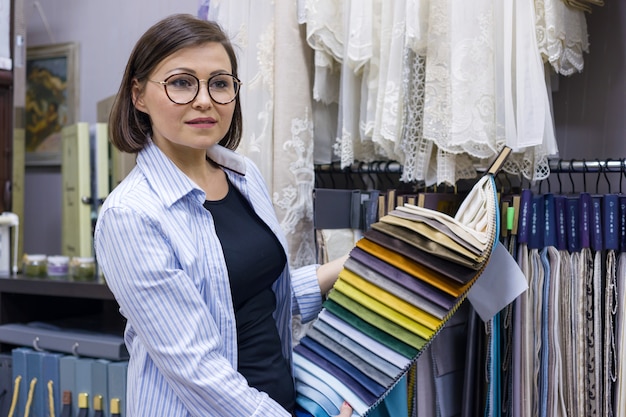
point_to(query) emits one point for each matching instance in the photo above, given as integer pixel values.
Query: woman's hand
(346, 410)
(327, 274)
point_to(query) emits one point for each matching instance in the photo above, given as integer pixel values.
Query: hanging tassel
(51, 399)
(16, 391)
(29, 400)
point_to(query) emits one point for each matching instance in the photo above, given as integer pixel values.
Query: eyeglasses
(183, 88)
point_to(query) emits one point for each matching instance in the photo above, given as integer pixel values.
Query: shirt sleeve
(307, 296)
(172, 320)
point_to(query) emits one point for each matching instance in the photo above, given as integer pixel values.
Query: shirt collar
(164, 175)
(227, 158)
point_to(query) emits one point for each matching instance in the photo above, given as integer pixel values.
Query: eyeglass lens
(183, 88)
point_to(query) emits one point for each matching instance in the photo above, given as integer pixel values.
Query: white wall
(106, 31)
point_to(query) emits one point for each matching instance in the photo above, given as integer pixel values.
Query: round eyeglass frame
(165, 82)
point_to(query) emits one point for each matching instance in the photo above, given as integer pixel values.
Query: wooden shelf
(54, 288)
(24, 299)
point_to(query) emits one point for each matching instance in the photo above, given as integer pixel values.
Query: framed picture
(51, 100)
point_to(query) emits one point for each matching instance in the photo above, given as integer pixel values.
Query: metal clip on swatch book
(401, 283)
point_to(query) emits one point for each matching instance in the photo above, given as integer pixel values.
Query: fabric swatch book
(6, 382)
(401, 283)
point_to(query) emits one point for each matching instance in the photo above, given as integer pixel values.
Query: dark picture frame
(51, 100)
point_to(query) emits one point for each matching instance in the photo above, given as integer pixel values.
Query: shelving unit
(24, 300)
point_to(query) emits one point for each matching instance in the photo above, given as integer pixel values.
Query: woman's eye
(182, 82)
(219, 84)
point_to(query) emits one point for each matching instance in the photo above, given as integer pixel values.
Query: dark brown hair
(129, 127)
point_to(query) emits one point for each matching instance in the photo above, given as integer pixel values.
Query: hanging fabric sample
(616, 373)
(611, 246)
(567, 347)
(396, 289)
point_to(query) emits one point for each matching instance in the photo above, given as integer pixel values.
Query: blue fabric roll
(340, 363)
(350, 382)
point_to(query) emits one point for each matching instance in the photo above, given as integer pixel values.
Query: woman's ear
(137, 92)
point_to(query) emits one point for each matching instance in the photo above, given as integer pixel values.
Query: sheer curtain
(441, 86)
(276, 103)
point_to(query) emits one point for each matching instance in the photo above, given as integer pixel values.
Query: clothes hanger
(602, 172)
(585, 170)
(560, 213)
(622, 164)
(610, 212)
(366, 176)
(540, 185)
(319, 180)
(569, 173)
(558, 177)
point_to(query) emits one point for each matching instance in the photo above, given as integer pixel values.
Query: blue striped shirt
(157, 247)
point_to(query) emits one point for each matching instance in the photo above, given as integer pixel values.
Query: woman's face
(198, 125)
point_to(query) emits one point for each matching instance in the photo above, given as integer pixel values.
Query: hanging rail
(361, 167)
(556, 166)
(583, 165)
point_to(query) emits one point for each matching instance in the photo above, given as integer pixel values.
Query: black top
(254, 259)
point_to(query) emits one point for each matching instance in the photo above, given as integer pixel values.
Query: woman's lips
(209, 121)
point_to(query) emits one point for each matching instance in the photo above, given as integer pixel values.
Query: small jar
(35, 265)
(83, 268)
(58, 266)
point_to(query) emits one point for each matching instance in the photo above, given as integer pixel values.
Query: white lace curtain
(437, 85)
(442, 85)
(277, 106)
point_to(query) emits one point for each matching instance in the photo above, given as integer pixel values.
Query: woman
(189, 242)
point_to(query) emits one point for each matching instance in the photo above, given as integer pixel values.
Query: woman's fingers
(346, 410)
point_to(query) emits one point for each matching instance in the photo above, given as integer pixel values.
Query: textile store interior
(427, 124)
(569, 262)
(428, 138)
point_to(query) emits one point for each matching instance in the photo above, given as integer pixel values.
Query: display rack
(24, 300)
